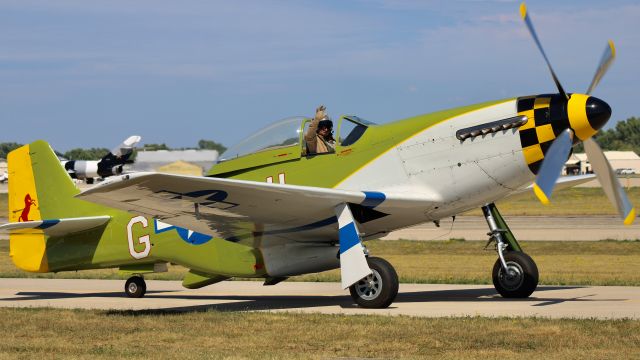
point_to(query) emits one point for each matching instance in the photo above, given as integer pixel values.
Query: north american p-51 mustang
(272, 209)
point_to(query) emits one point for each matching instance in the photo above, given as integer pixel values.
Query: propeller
(607, 59)
(527, 20)
(552, 166)
(609, 181)
(593, 111)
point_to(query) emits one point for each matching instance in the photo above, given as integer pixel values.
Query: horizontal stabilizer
(55, 227)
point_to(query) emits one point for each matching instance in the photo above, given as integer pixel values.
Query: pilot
(319, 136)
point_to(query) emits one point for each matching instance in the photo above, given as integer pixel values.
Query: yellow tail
(28, 250)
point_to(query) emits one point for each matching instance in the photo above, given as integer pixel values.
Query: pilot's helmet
(326, 122)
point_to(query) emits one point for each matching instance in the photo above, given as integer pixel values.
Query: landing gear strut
(135, 287)
(515, 274)
(379, 289)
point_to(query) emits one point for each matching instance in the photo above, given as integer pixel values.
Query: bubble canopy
(282, 133)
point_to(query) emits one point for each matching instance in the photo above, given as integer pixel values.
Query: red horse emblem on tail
(24, 216)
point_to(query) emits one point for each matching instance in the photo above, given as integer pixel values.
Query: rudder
(38, 187)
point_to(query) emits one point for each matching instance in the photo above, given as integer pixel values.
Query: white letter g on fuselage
(142, 240)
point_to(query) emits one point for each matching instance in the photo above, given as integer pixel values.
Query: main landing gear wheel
(520, 280)
(135, 287)
(379, 289)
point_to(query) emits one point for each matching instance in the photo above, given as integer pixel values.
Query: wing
(237, 210)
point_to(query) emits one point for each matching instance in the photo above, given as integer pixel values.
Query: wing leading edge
(229, 208)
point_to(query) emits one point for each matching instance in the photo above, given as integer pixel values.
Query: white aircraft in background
(111, 164)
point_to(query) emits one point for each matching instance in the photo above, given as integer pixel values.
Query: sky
(91, 73)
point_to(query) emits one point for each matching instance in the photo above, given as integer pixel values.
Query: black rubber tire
(389, 290)
(135, 287)
(517, 287)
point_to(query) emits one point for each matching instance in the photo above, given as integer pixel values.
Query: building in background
(577, 165)
(182, 162)
(623, 162)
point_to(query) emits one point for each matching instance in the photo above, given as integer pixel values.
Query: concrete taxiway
(414, 299)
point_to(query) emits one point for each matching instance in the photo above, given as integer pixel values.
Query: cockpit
(280, 134)
(284, 140)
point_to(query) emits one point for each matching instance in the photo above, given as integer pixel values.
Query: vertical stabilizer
(38, 188)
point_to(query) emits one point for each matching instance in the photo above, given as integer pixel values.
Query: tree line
(98, 153)
(624, 136)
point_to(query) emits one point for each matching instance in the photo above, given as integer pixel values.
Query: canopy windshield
(283, 133)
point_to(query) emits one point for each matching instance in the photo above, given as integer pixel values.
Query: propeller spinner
(586, 115)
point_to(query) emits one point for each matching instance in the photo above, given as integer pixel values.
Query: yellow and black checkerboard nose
(549, 115)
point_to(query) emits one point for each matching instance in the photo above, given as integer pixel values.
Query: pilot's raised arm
(318, 136)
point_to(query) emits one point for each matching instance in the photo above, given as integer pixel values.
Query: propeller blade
(552, 165)
(607, 59)
(609, 181)
(527, 19)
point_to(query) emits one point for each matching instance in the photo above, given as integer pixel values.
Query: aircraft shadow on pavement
(52, 295)
(293, 302)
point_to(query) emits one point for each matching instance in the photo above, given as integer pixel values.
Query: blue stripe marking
(373, 199)
(196, 238)
(47, 224)
(348, 237)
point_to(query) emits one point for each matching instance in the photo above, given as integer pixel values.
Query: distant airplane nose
(598, 112)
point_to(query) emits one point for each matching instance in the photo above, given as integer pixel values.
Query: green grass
(465, 262)
(56, 333)
(452, 262)
(574, 201)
